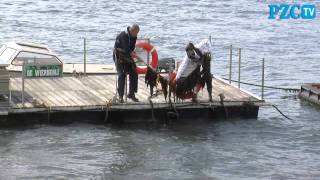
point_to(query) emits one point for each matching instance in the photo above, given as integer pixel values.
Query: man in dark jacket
(123, 57)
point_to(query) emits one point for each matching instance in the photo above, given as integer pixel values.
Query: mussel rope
(108, 104)
(269, 87)
(152, 110)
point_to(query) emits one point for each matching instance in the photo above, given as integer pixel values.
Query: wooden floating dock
(310, 92)
(92, 98)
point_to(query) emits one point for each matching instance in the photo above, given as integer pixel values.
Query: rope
(269, 105)
(158, 92)
(175, 112)
(152, 110)
(275, 107)
(211, 107)
(270, 87)
(224, 107)
(49, 111)
(109, 102)
(281, 112)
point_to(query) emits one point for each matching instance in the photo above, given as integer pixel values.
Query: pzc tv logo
(295, 11)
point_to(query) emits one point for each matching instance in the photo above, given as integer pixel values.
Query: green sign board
(36, 70)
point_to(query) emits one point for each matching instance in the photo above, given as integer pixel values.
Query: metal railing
(231, 51)
(239, 70)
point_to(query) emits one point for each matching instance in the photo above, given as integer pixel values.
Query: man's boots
(133, 97)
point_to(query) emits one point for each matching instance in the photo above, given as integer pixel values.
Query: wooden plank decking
(97, 90)
(92, 98)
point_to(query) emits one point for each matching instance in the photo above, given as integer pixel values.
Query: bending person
(188, 75)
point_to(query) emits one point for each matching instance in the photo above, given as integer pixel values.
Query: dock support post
(84, 56)
(239, 71)
(230, 64)
(262, 86)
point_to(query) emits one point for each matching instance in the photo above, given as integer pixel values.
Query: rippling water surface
(270, 147)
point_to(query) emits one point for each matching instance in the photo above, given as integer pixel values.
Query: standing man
(123, 57)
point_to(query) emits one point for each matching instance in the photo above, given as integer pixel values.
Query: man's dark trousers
(123, 69)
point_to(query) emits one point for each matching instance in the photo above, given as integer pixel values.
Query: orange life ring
(154, 55)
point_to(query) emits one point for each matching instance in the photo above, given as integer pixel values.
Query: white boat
(14, 54)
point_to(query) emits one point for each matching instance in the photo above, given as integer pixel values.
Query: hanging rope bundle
(152, 79)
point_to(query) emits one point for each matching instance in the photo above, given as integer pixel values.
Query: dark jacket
(125, 42)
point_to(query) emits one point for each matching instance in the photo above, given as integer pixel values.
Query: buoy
(154, 56)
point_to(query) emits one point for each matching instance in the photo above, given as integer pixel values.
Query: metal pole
(84, 56)
(148, 55)
(230, 64)
(239, 74)
(262, 87)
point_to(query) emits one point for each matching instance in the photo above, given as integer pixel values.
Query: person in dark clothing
(123, 57)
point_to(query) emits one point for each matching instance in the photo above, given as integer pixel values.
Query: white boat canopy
(17, 53)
